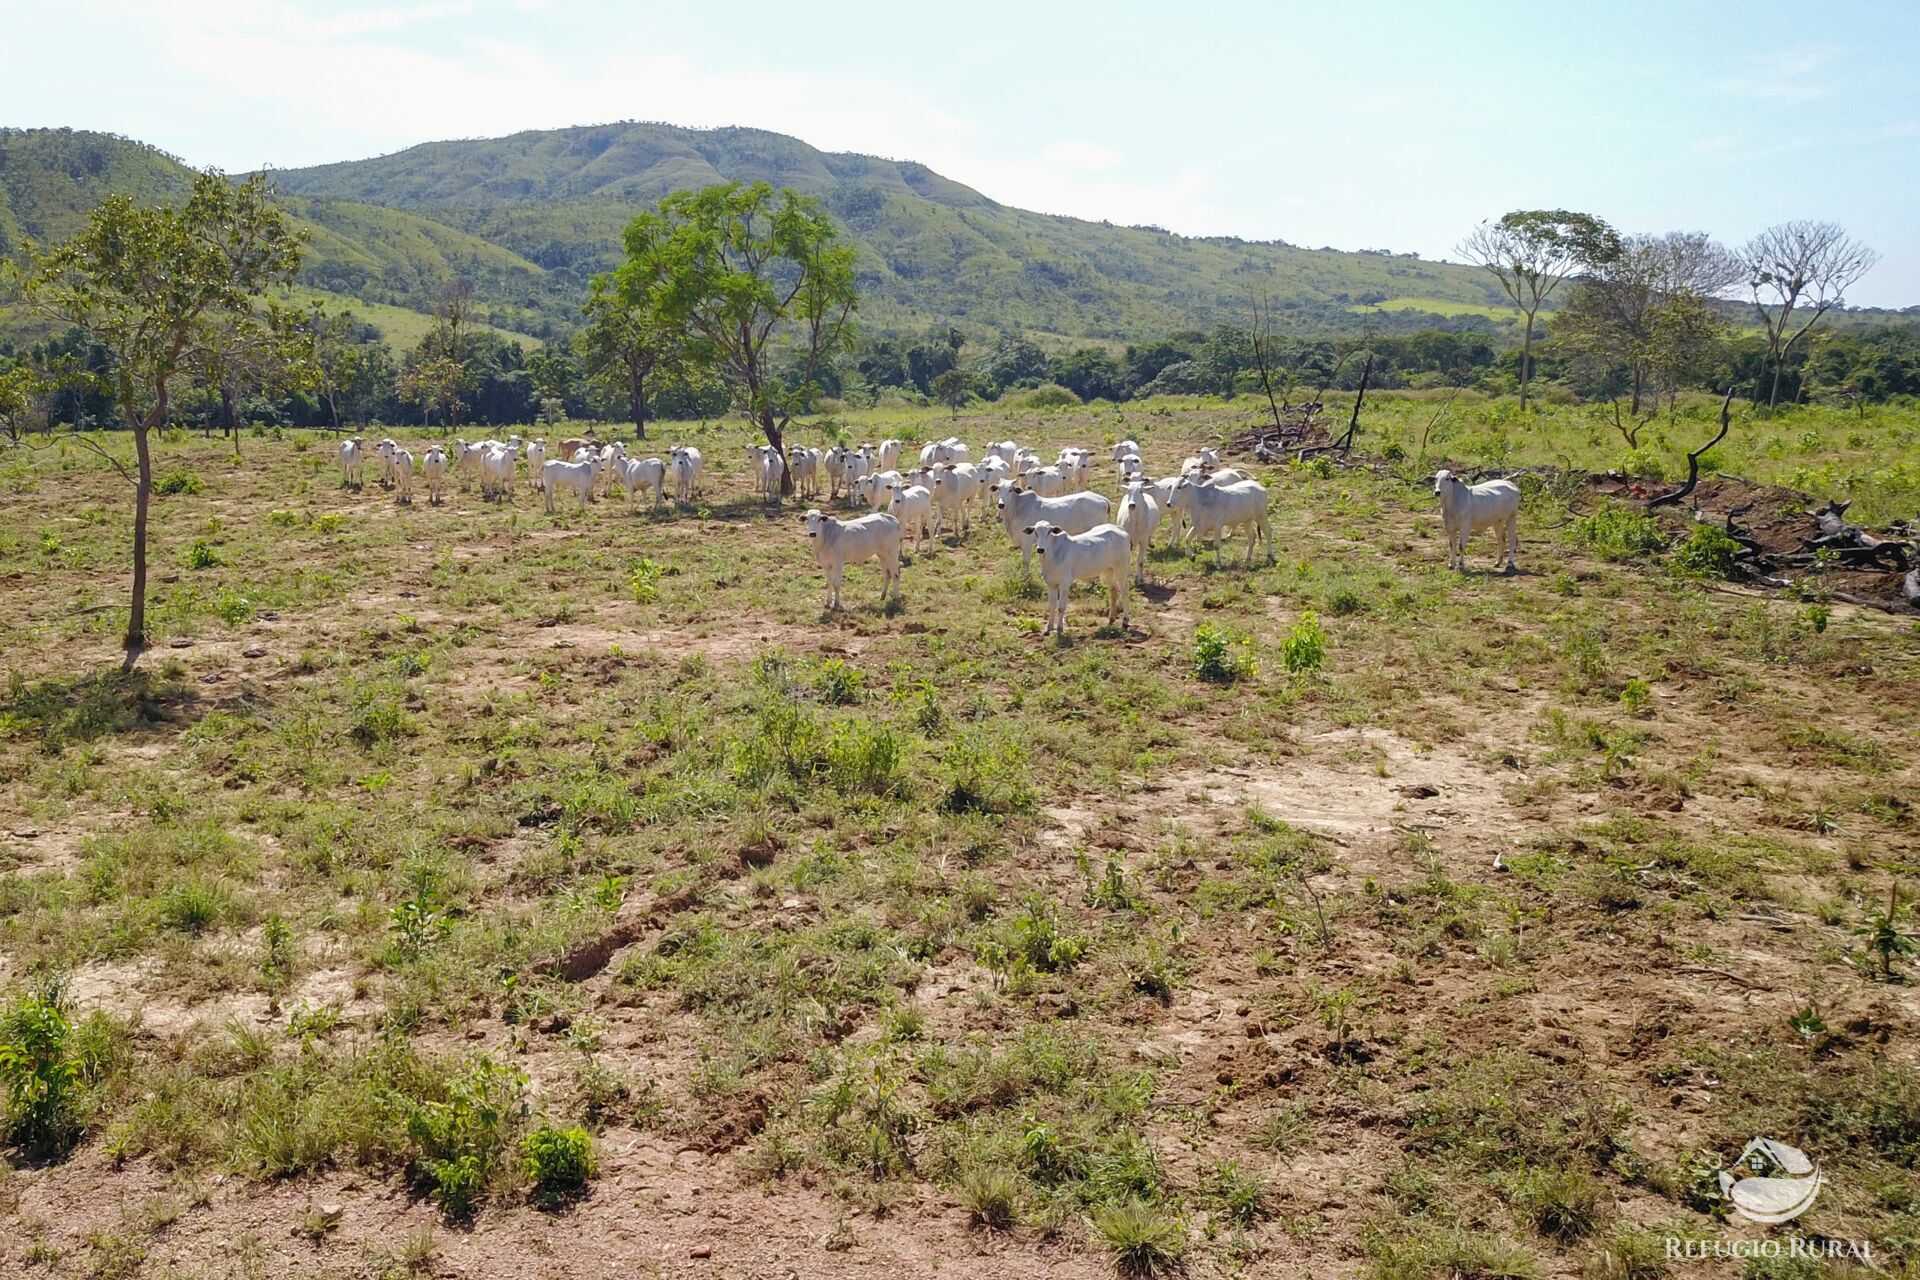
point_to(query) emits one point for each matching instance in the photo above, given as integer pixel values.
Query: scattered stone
(212, 677)
(27, 833)
(700, 1251)
(253, 653)
(331, 1213)
(1419, 791)
(179, 642)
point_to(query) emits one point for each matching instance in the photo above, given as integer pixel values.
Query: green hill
(376, 258)
(930, 248)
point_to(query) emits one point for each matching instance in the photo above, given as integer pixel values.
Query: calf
(401, 463)
(839, 543)
(1467, 509)
(1101, 552)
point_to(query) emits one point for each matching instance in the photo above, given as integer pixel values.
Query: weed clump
(1617, 533)
(1708, 552)
(1221, 658)
(558, 1162)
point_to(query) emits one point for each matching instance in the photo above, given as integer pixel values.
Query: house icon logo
(1770, 1183)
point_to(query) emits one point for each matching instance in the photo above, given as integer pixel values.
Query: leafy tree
(1089, 373)
(19, 389)
(1015, 361)
(1796, 273)
(1618, 313)
(933, 356)
(1530, 251)
(156, 287)
(953, 389)
(624, 343)
(737, 271)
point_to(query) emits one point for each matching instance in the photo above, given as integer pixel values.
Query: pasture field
(1345, 917)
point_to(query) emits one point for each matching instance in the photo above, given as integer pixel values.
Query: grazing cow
(1215, 509)
(1139, 516)
(1467, 509)
(1101, 552)
(1021, 510)
(839, 543)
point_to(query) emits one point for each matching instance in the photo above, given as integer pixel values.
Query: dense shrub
(558, 1162)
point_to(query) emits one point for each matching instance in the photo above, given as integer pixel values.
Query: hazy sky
(1358, 125)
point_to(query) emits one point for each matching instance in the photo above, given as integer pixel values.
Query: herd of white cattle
(1046, 508)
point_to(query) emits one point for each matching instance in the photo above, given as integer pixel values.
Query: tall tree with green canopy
(1530, 251)
(624, 343)
(163, 289)
(742, 272)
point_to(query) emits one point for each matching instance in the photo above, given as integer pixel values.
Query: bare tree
(1530, 251)
(1796, 273)
(1261, 302)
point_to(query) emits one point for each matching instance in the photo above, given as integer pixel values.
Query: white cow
(385, 449)
(1215, 509)
(805, 465)
(636, 474)
(496, 471)
(768, 467)
(1078, 464)
(1021, 510)
(956, 487)
(434, 468)
(1048, 482)
(875, 488)
(839, 543)
(944, 451)
(685, 462)
(1125, 447)
(577, 476)
(1467, 509)
(1139, 516)
(1101, 552)
(912, 506)
(401, 462)
(353, 456)
(888, 455)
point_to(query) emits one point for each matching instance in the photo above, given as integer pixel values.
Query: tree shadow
(96, 705)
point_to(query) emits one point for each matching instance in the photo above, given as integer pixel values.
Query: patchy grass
(505, 859)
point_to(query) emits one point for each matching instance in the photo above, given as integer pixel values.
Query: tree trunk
(774, 438)
(1639, 386)
(1773, 397)
(136, 638)
(637, 404)
(228, 423)
(1526, 361)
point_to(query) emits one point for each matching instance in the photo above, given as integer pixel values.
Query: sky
(1354, 123)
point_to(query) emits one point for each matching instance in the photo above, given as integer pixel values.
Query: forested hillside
(532, 217)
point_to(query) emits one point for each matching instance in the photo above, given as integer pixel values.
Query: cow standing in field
(1467, 509)
(839, 543)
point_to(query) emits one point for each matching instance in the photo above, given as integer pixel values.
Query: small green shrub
(558, 1162)
(178, 482)
(1616, 533)
(332, 522)
(41, 1073)
(1146, 1242)
(1304, 651)
(233, 608)
(1635, 696)
(458, 1142)
(1238, 1192)
(201, 555)
(984, 776)
(645, 580)
(838, 682)
(1707, 553)
(1563, 1204)
(1219, 657)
